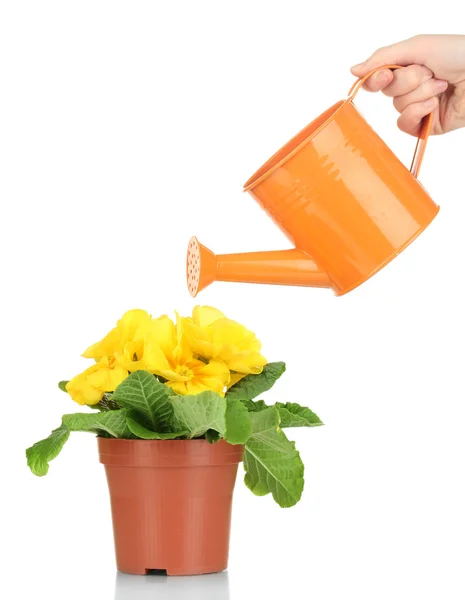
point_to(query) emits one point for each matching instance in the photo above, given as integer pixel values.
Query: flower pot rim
(201, 440)
(167, 453)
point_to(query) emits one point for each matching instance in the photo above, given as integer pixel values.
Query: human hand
(433, 80)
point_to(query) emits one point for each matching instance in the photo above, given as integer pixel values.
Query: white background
(127, 127)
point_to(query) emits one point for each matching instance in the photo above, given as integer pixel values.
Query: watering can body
(342, 197)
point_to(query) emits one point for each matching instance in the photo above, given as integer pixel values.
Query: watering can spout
(282, 267)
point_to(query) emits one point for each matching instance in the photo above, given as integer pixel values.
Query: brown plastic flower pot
(171, 503)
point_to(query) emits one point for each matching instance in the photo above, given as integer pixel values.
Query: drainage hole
(156, 572)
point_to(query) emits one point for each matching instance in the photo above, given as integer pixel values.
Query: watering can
(342, 197)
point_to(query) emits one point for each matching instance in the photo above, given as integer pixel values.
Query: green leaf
(238, 422)
(62, 385)
(41, 453)
(252, 386)
(112, 422)
(209, 411)
(212, 436)
(142, 392)
(290, 413)
(271, 461)
(144, 433)
(294, 415)
(199, 413)
(255, 405)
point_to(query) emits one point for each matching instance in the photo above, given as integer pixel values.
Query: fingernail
(381, 77)
(441, 85)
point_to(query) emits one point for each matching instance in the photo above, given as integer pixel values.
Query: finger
(407, 79)
(379, 80)
(426, 90)
(410, 119)
(398, 82)
(404, 53)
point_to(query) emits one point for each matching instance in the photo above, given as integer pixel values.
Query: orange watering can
(346, 202)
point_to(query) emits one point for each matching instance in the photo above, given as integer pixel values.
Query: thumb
(404, 53)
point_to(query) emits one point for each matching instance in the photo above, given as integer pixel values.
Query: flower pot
(171, 503)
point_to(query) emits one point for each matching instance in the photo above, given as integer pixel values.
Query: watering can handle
(426, 124)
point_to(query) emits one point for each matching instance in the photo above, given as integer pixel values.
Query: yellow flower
(88, 387)
(126, 337)
(205, 352)
(194, 376)
(211, 335)
(167, 354)
(159, 338)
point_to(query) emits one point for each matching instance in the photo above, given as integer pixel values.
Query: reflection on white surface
(143, 587)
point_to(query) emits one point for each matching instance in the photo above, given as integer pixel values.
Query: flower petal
(81, 391)
(213, 376)
(131, 327)
(155, 360)
(177, 386)
(171, 375)
(205, 315)
(235, 378)
(106, 378)
(182, 353)
(215, 368)
(162, 333)
(133, 324)
(106, 346)
(249, 364)
(198, 338)
(197, 387)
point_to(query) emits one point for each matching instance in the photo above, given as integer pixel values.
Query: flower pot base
(175, 571)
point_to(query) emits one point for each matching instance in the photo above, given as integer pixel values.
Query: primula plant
(200, 377)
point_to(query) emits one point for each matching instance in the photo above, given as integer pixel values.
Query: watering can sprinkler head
(201, 267)
(343, 199)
